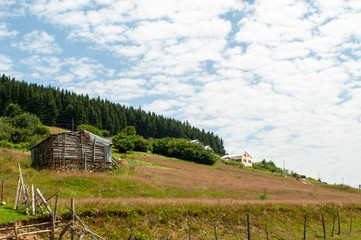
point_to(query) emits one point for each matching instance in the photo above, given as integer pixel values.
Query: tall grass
(114, 221)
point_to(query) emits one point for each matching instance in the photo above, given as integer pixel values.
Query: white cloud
(4, 32)
(122, 89)
(39, 42)
(66, 70)
(6, 64)
(165, 107)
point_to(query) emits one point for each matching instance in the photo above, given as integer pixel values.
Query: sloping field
(160, 197)
(153, 178)
(229, 182)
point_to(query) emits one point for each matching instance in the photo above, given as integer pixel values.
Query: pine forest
(66, 109)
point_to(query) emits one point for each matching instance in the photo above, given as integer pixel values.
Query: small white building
(196, 141)
(244, 158)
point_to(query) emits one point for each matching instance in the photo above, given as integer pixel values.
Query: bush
(91, 129)
(123, 143)
(183, 149)
(105, 133)
(267, 166)
(22, 146)
(233, 163)
(6, 144)
(42, 130)
(141, 144)
(127, 140)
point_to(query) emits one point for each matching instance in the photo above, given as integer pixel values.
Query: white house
(196, 141)
(244, 158)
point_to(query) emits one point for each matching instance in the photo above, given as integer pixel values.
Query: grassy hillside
(160, 196)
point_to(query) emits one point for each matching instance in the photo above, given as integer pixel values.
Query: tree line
(66, 109)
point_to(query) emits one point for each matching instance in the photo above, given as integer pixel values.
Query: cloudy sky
(280, 79)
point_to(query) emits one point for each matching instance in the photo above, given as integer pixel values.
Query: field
(159, 196)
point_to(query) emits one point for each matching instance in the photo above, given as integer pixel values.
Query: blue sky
(280, 79)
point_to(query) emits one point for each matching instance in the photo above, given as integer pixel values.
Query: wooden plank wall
(70, 151)
(43, 153)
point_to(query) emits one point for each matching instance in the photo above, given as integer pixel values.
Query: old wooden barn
(80, 150)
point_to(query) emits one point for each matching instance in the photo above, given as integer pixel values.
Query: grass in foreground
(159, 221)
(9, 215)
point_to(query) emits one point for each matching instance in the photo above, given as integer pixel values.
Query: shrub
(42, 130)
(6, 144)
(267, 166)
(123, 143)
(91, 129)
(105, 133)
(127, 140)
(233, 163)
(183, 149)
(140, 144)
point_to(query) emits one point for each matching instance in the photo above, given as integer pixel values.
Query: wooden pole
(28, 226)
(53, 227)
(215, 231)
(37, 203)
(24, 191)
(248, 227)
(338, 219)
(190, 230)
(33, 199)
(72, 219)
(44, 201)
(15, 230)
(2, 190)
(18, 235)
(56, 206)
(333, 225)
(305, 228)
(266, 232)
(18, 191)
(53, 222)
(351, 223)
(64, 230)
(323, 225)
(131, 234)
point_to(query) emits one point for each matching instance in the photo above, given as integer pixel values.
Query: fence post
(131, 234)
(323, 225)
(55, 212)
(17, 196)
(305, 227)
(190, 228)
(248, 227)
(333, 225)
(2, 191)
(215, 231)
(72, 219)
(338, 219)
(351, 223)
(15, 230)
(266, 232)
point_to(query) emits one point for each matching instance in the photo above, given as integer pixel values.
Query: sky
(279, 79)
